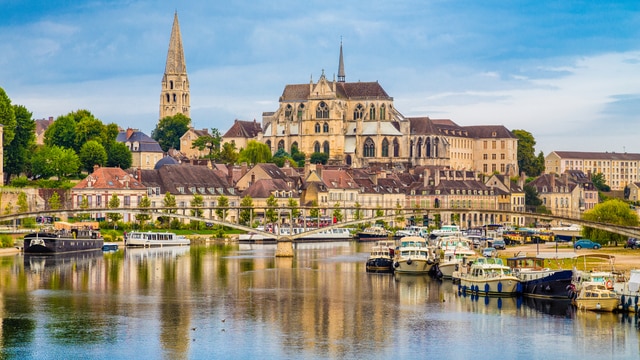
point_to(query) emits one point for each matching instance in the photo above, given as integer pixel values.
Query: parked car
(489, 252)
(632, 243)
(586, 244)
(499, 244)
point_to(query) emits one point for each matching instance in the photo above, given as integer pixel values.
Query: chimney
(552, 182)
(426, 176)
(507, 182)
(436, 178)
(319, 169)
(243, 168)
(129, 133)
(139, 175)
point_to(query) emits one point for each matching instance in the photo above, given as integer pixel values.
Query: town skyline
(572, 88)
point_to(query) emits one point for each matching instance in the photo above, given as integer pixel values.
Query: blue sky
(567, 71)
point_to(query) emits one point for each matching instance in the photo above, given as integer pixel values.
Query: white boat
(455, 260)
(151, 239)
(596, 297)
(337, 234)
(600, 269)
(489, 276)
(629, 292)
(414, 256)
(381, 257)
(445, 230)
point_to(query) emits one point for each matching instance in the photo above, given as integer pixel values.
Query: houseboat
(65, 237)
(152, 239)
(415, 256)
(536, 280)
(489, 277)
(381, 257)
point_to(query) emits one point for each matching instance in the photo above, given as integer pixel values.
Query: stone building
(186, 143)
(175, 96)
(145, 152)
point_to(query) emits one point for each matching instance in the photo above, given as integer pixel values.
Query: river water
(231, 301)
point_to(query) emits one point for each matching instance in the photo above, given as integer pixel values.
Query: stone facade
(175, 97)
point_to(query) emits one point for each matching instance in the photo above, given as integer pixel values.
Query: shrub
(6, 241)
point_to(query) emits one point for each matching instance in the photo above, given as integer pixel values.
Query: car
(499, 244)
(586, 244)
(489, 252)
(632, 243)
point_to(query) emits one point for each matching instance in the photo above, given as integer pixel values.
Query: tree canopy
(210, 142)
(51, 161)
(613, 211)
(7, 118)
(18, 152)
(255, 153)
(92, 153)
(528, 162)
(169, 131)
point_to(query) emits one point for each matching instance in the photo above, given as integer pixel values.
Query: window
(325, 147)
(316, 147)
(281, 144)
(485, 157)
(385, 148)
(288, 113)
(127, 200)
(317, 128)
(98, 200)
(502, 156)
(300, 110)
(396, 148)
(493, 156)
(358, 112)
(325, 128)
(322, 112)
(382, 112)
(372, 112)
(369, 148)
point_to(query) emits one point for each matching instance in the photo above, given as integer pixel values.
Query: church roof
(355, 90)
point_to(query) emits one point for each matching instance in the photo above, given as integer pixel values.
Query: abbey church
(356, 124)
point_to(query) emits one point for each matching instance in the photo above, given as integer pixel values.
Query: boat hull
(505, 286)
(553, 286)
(49, 243)
(448, 268)
(598, 304)
(379, 265)
(413, 266)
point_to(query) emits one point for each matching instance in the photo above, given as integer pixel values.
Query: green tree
(527, 160)
(169, 131)
(210, 142)
(229, 154)
(18, 152)
(600, 182)
(319, 158)
(255, 153)
(292, 204)
(271, 214)
(314, 211)
(8, 210)
(613, 211)
(118, 155)
(221, 209)
(92, 153)
(379, 211)
(23, 205)
(169, 203)
(54, 201)
(337, 212)
(357, 214)
(246, 212)
(197, 203)
(114, 203)
(7, 119)
(297, 156)
(531, 197)
(89, 129)
(84, 205)
(51, 161)
(399, 216)
(144, 205)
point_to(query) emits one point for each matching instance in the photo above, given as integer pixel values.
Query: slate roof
(193, 179)
(146, 144)
(263, 188)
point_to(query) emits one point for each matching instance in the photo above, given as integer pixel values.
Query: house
(241, 132)
(145, 152)
(186, 143)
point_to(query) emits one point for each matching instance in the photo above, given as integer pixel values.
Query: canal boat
(596, 297)
(66, 237)
(372, 233)
(536, 280)
(629, 292)
(381, 257)
(455, 260)
(445, 230)
(415, 256)
(153, 239)
(489, 277)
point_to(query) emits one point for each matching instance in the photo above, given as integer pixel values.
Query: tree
(531, 197)
(144, 205)
(18, 152)
(246, 213)
(169, 131)
(399, 216)
(89, 129)
(118, 155)
(319, 158)
(169, 203)
(357, 215)
(209, 142)
(229, 155)
(197, 203)
(54, 201)
(84, 205)
(292, 204)
(51, 161)
(7, 118)
(314, 212)
(255, 153)
(114, 203)
(527, 161)
(297, 156)
(600, 182)
(337, 212)
(271, 214)
(23, 205)
(92, 153)
(223, 205)
(613, 211)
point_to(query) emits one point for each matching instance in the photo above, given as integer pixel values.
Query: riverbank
(9, 251)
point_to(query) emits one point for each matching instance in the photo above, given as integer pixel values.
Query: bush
(6, 241)
(20, 182)
(176, 224)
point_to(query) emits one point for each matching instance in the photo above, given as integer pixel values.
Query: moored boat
(372, 233)
(536, 280)
(381, 257)
(415, 256)
(596, 297)
(455, 260)
(69, 237)
(152, 239)
(489, 277)
(629, 292)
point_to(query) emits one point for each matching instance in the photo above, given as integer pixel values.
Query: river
(231, 301)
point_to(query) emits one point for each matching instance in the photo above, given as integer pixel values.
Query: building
(41, 127)
(145, 152)
(619, 169)
(175, 97)
(567, 194)
(241, 132)
(186, 143)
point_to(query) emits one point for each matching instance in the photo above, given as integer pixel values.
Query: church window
(428, 148)
(288, 113)
(396, 148)
(168, 98)
(175, 98)
(300, 111)
(419, 148)
(325, 147)
(322, 112)
(317, 128)
(294, 146)
(281, 144)
(369, 148)
(411, 148)
(372, 112)
(383, 115)
(385, 148)
(358, 113)
(171, 84)
(436, 142)
(316, 147)
(348, 159)
(325, 128)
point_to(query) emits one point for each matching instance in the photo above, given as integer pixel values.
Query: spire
(341, 65)
(175, 96)
(175, 56)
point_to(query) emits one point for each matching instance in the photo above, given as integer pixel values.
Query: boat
(596, 297)
(332, 234)
(66, 237)
(539, 281)
(152, 239)
(372, 233)
(457, 251)
(110, 247)
(602, 270)
(629, 292)
(445, 230)
(415, 256)
(489, 277)
(381, 257)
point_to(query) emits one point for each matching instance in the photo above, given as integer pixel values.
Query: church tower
(341, 76)
(174, 97)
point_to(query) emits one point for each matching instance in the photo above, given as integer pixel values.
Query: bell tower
(175, 97)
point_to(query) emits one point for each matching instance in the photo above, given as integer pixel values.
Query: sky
(568, 72)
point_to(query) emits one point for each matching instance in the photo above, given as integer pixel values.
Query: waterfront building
(619, 169)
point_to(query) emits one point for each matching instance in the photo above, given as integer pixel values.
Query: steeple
(175, 97)
(341, 65)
